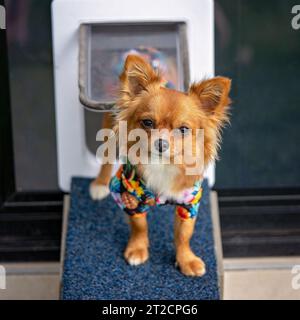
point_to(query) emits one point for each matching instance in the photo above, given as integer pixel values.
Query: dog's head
(145, 104)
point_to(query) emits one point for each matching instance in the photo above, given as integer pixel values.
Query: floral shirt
(127, 180)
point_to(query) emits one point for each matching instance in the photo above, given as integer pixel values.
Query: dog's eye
(184, 130)
(147, 123)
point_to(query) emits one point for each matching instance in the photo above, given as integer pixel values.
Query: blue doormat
(94, 267)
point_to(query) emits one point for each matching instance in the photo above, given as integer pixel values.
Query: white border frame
(74, 158)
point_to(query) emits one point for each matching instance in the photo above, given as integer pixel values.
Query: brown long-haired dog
(144, 103)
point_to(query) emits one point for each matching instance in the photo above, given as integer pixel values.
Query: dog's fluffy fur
(204, 106)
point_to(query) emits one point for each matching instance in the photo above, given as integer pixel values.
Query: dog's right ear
(137, 75)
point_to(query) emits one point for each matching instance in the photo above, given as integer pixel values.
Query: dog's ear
(137, 75)
(213, 97)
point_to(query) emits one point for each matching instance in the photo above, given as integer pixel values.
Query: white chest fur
(160, 178)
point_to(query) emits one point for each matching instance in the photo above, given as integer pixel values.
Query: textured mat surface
(94, 266)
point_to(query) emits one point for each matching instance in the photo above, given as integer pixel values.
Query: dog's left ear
(137, 75)
(213, 97)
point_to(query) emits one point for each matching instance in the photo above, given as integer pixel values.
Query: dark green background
(257, 47)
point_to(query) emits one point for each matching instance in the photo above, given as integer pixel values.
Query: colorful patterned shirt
(127, 180)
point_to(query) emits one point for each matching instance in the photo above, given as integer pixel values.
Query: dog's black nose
(161, 145)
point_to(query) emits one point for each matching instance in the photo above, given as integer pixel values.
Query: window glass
(258, 48)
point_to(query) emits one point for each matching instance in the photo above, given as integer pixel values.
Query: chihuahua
(144, 103)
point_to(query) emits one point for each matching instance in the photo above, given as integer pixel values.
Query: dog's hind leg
(99, 187)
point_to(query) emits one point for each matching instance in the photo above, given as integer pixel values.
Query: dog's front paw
(135, 256)
(98, 191)
(129, 201)
(194, 267)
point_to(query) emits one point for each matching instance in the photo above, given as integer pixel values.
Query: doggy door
(104, 48)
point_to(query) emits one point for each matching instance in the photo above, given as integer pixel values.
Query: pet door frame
(85, 31)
